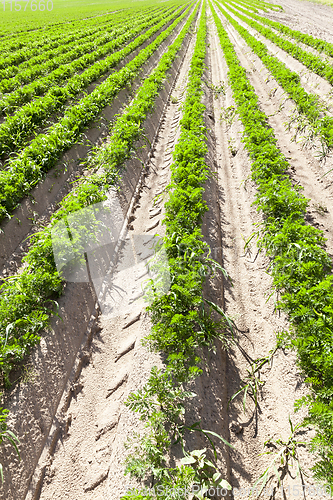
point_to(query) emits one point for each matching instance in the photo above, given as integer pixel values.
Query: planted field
(166, 251)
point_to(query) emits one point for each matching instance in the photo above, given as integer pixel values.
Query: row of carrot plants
(311, 61)
(307, 104)
(27, 299)
(317, 43)
(16, 130)
(35, 23)
(60, 47)
(42, 154)
(24, 54)
(26, 50)
(254, 6)
(299, 264)
(183, 324)
(44, 63)
(251, 7)
(30, 40)
(90, 52)
(27, 39)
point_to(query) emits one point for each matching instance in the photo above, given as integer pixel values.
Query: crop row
(300, 266)
(17, 128)
(45, 59)
(254, 6)
(52, 38)
(90, 52)
(49, 32)
(311, 61)
(42, 154)
(25, 300)
(182, 323)
(306, 104)
(25, 54)
(310, 40)
(35, 38)
(42, 64)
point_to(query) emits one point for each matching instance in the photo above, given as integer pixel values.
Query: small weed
(34, 217)
(244, 181)
(323, 152)
(252, 383)
(228, 115)
(285, 458)
(321, 209)
(247, 246)
(173, 100)
(232, 147)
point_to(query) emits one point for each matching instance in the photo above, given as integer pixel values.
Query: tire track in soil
(87, 458)
(246, 302)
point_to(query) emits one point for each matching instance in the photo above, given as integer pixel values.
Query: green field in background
(13, 21)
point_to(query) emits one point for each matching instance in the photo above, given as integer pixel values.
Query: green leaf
(205, 431)
(188, 460)
(224, 484)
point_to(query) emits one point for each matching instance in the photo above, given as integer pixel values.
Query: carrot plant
(299, 264)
